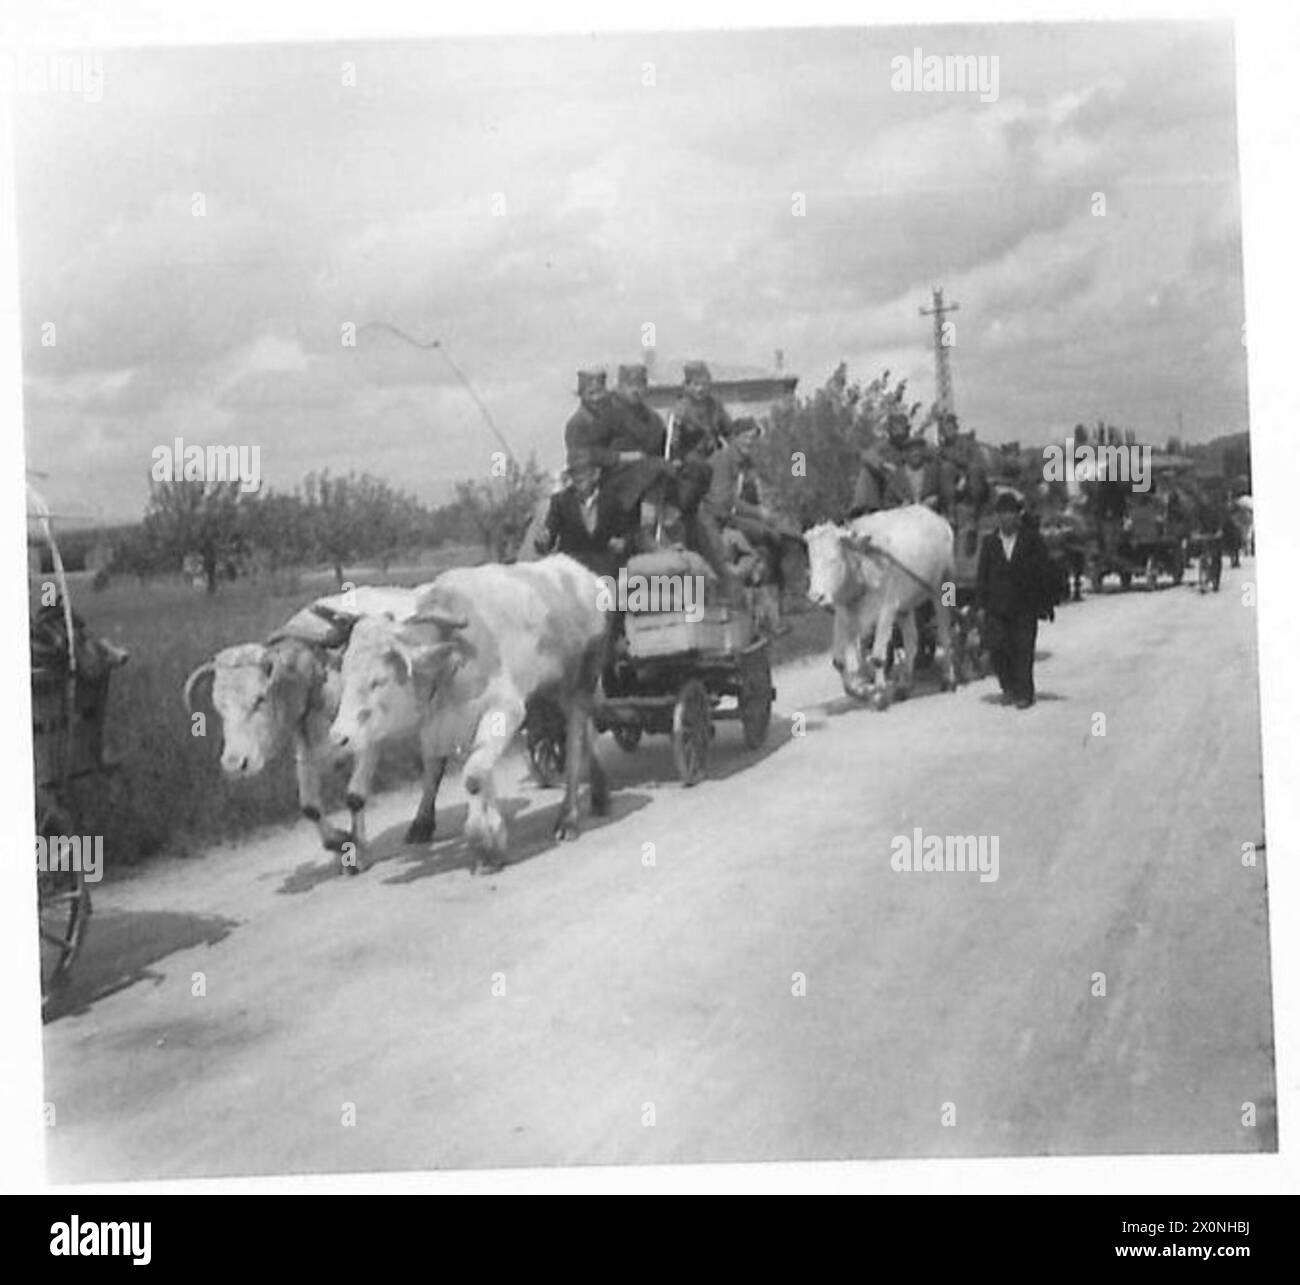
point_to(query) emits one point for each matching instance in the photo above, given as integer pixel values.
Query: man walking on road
(1013, 589)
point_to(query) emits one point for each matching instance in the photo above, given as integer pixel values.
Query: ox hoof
(419, 832)
(566, 829)
(880, 700)
(335, 840)
(902, 694)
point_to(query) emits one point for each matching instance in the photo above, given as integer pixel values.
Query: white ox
(874, 572)
(459, 674)
(286, 691)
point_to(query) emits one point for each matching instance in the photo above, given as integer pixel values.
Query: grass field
(169, 793)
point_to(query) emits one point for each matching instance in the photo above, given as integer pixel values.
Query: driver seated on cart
(582, 521)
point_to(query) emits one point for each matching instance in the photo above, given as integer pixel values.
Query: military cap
(636, 376)
(1008, 501)
(696, 370)
(591, 381)
(580, 457)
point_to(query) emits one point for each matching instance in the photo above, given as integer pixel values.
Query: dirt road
(759, 984)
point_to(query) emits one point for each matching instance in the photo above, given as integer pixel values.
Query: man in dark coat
(1013, 589)
(581, 521)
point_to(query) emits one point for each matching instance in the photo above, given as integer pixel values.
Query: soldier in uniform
(590, 427)
(752, 531)
(878, 461)
(642, 475)
(916, 480)
(963, 483)
(604, 432)
(700, 424)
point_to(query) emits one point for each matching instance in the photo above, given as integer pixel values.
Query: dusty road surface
(759, 984)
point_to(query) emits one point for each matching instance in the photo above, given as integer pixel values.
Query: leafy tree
(810, 456)
(500, 510)
(195, 517)
(358, 516)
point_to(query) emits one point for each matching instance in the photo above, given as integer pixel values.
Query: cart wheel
(755, 699)
(627, 736)
(545, 736)
(692, 731)
(64, 903)
(1151, 573)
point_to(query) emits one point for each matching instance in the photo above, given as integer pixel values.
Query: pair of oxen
(456, 664)
(453, 664)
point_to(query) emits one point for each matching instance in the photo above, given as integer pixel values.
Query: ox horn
(443, 619)
(208, 667)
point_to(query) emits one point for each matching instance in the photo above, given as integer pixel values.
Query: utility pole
(942, 372)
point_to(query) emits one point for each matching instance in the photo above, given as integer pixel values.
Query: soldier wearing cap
(879, 461)
(700, 420)
(590, 427)
(916, 479)
(752, 532)
(640, 478)
(643, 428)
(604, 432)
(963, 482)
(1015, 585)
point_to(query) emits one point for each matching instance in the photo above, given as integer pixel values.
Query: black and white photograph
(642, 597)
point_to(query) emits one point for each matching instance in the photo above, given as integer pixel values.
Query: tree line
(220, 532)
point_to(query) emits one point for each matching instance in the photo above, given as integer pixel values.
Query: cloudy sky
(645, 179)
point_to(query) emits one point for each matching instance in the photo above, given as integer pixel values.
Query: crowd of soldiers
(634, 483)
(904, 468)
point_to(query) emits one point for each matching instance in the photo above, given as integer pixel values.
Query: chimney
(648, 356)
(778, 360)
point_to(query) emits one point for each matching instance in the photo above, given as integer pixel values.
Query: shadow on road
(530, 823)
(120, 946)
(995, 698)
(530, 828)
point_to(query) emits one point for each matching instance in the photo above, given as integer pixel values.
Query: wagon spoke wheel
(545, 736)
(64, 907)
(627, 736)
(692, 731)
(755, 699)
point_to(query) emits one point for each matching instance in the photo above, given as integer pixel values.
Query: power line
(460, 374)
